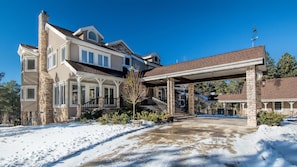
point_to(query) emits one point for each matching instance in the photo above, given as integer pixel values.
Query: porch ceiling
(224, 66)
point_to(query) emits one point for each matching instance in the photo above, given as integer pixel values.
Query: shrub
(83, 120)
(114, 118)
(105, 119)
(94, 114)
(151, 116)
(269, 118)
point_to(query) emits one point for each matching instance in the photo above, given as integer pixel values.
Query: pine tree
(286, 66)
(10, 101)
(271, 69)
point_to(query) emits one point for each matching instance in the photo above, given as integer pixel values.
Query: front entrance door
(109, 96)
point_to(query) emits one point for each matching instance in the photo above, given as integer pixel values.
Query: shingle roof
(231, 57)
(70, 34)
(278, 88)
(82, 67)
(29, 46)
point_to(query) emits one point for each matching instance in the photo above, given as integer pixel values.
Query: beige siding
(116, 63)
(30, 78)
(74, 52)
(28, 106)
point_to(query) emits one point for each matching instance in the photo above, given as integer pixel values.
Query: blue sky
(178, 30)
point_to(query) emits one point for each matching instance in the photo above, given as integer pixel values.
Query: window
(59, 94)
(84, 56)
(28, 93)
(127, 61)
(106, 61)
(63, 54)
(156, 59)
(100, 60)
(91, 57)
(278, 106)
(29, 64)
(87, 57)
(92, 36)
(51, 61)
(94, 57)
(74, 94)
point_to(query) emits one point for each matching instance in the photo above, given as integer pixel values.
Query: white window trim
(50, 56)
(87, 87)
(24, 91)
(95, 57)
(90, 38)
(59, 85)
(63, 47)
(25, 64)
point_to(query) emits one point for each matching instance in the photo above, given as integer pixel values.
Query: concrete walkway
(185, 143)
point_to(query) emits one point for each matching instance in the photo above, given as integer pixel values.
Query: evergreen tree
(286, 66)
(271, 69)
(10, 102)
(235, 86)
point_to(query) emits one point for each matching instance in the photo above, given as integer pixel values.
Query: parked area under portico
(248, 63)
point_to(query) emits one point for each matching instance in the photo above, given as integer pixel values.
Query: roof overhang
(222, 71)
(22, 50)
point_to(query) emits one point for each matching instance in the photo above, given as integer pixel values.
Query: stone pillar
(253, 95)
(156, 91)
(118, 83)
(242, 109)
(191, 99)
(225, 109)
(101, 98)
(170, 96)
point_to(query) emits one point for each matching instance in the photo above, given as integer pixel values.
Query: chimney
(42, 40)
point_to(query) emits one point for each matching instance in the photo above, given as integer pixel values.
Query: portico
(249, 63)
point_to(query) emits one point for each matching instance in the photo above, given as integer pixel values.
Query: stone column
(191, 99)
(225, 108)
(170, 96)
(253, 95)
(242, 109)
(155, 93)
(101, 99)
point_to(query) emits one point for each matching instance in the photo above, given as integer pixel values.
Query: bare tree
(133, 90)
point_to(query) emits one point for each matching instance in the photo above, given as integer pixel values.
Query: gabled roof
(88, 68)
(221, 59)
(272, 90)
(24, 48)
(88, 28)
(117, 44)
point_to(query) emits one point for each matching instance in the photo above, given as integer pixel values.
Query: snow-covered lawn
(45, 145)
(76, 144)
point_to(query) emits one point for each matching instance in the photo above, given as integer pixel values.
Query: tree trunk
(4, 118)
(133, 111)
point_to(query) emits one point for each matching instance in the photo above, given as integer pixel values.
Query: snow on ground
(45, 145)
(75, 144)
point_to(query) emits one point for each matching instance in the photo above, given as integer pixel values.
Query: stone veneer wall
(191, 101)
(253, 96)
(45, 85)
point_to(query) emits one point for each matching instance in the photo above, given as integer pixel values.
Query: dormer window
(156, 59)
(92, 36)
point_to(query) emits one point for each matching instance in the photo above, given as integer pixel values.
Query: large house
(68, 70)
(277, 95)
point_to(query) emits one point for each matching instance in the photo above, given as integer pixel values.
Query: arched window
(49, 50)
(92, 36)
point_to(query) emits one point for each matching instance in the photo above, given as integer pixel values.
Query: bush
(114, 118)
(83, 120)
(151, 116)
(94, 114)
(269, 118)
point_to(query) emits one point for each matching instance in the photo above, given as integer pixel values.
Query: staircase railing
(161, 104)
(90, 105)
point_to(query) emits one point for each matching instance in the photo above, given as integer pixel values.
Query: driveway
(202, 141)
